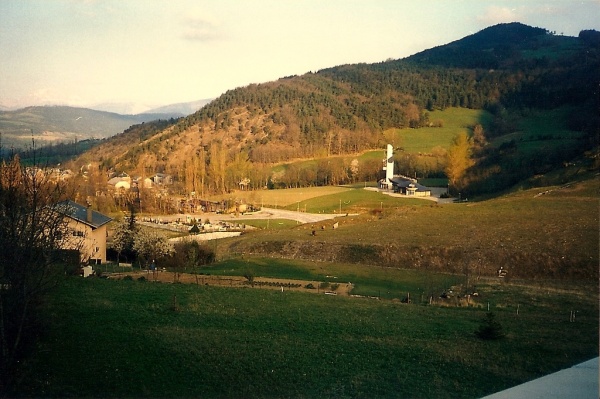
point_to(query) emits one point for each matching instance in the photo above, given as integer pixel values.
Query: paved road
(264, 213)
(302, 217)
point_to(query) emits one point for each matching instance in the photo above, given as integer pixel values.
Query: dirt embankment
(238, 282)
(481, 261)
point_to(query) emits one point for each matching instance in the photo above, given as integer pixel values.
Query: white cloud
(48, 96)
(202, 27)
(494, 15)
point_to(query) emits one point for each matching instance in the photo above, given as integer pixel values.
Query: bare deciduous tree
(32, 231)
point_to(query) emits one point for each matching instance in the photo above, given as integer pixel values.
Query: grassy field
(543, 130)
(283, 198)
(350, 201)
(386, 283)
(140, 339)
(119, 338)
(551, 232)
(454, 121)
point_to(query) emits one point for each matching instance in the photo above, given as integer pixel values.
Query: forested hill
(345, 109)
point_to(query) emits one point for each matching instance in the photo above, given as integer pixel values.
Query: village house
(120, 183)
(87, 229)
(162, 179)
(144, 182)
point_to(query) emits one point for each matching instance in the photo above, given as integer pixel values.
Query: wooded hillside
(508, 69)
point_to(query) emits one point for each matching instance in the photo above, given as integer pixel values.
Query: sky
(132, 55)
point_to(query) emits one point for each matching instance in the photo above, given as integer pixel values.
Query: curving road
(272, 213)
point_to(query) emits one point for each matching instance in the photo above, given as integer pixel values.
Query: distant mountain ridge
(54, 124)
(181, 109)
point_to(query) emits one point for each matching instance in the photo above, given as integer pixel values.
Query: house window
(77, 233)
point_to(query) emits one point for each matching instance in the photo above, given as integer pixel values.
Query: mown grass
(272, 224)
(284, 197)
(140, 339)
(351, 200)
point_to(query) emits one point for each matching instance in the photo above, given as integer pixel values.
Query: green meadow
(543, 131)
(132, 338)
(386, 283)
(111, 338)
(453, 122)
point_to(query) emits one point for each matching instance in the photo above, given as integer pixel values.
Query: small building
(88, 229)
(145, 182)
(162, 179)
(120, 183)
(409, 187)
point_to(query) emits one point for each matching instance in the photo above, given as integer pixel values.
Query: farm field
(282, 198)
(132, 339)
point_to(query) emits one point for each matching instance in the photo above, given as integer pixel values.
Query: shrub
(249, 275)
(309, 286)
(490, 328)
(189, 254)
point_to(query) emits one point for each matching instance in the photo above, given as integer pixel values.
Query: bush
(249, 275)
(189, 254)
(490, 328)
(309, 286)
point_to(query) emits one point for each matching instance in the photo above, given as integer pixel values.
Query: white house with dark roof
(89, 230)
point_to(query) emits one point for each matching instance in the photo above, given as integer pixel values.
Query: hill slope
(346, 109)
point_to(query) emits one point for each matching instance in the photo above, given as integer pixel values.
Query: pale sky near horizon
(148, 53)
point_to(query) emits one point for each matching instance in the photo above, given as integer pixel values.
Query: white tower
(389, 167)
